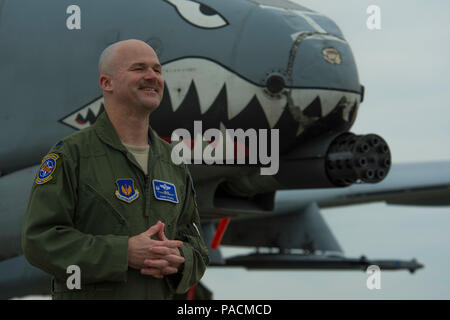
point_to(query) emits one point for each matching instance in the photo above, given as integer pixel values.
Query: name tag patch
(165, 191)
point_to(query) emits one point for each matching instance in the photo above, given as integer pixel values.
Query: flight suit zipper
(153, 158)
(147, 196)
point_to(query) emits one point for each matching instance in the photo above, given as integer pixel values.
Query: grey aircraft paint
(55, 81)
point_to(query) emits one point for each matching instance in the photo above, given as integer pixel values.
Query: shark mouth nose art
(194, 74)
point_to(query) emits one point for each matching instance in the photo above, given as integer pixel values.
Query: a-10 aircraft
(235, 64)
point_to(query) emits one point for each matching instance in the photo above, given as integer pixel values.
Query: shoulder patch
(47, 168)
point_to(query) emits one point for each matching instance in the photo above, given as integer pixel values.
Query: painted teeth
(94, 107)
(179, 75)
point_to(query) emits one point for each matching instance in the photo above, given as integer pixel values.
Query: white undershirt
(141, 155)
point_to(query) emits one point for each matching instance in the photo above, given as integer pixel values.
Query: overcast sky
(404, 68)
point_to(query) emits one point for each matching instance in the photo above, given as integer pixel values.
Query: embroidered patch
(165, 191)
(47, 168)
(126, 190)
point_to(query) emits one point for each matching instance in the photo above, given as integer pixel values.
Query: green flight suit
(75, 217)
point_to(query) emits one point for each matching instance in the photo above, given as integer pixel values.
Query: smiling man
(111, 201)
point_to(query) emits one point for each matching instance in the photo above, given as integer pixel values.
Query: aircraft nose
(322, 60)
(325, 90)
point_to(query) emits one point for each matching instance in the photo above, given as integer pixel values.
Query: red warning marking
(223, 224)
(191, 292)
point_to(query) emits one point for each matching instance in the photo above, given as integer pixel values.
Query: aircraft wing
(426, 183)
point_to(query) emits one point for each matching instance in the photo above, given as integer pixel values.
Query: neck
(131, 126)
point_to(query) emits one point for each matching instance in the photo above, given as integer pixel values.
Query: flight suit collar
(105, 130)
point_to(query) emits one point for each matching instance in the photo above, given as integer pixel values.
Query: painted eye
(198, 14)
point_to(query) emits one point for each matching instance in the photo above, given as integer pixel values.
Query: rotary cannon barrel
(335, 160)
(352, 158)
(332, 160)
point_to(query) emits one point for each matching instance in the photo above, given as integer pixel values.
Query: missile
(316, 262)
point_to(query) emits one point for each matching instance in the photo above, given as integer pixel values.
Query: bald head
(130, 77)
(105, 61)
(112, 54)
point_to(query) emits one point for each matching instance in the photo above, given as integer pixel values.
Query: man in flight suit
(109, 200)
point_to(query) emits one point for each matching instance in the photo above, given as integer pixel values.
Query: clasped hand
(155, 258)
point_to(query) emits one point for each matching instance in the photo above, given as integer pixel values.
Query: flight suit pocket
(191, 235)
(168, 213)
(96, 215)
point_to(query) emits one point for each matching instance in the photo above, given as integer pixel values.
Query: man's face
(138, 81)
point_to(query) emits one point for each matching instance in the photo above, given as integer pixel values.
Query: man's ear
(105, 82)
